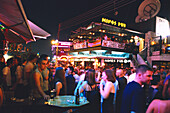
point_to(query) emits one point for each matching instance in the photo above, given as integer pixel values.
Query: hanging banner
(95, 43)
(80, 45)
(112, 44)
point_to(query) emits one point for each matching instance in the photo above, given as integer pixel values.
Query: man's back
(133, 98)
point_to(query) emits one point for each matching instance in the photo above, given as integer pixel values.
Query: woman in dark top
(60, 81)
(89, 88)
(107, 91)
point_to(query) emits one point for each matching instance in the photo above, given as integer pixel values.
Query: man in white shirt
(7, 74)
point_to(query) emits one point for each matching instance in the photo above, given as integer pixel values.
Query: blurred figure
(14, 70)
(52, 69)
(107, 91)
(99, 74)
(76, 76)
(166, 88)
(60, 82)
(162, 74)
(127, 74)
(7, 84)
(2, 65)
(82, 75)
(28, 73)
(122, 81)
(1, 97)
(159, 106)
(90, 90)
(70, 81)
(19, 85)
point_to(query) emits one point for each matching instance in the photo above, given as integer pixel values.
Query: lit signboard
(86, 59)
(121, 61)
(65, 43)
(94, 44)
(112, 44)
(80, 45)
(162, 27)
(113, 22)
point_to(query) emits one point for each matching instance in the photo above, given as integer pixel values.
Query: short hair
(110, 75)
(32, 56)
(71, 68)
(19, 60)
(40, 60)
(143, 68)
(43, 56)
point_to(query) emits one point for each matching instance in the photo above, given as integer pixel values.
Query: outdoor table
(66, 102)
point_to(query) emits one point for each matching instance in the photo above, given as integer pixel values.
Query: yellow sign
(113, 22)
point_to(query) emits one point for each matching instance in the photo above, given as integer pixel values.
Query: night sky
(47, 14)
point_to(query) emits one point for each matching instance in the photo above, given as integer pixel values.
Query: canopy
(18, 28)
(38, 33)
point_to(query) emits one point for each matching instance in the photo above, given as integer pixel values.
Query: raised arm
(107, 89)
(58, 87)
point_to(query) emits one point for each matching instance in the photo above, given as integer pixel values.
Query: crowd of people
(108, 89)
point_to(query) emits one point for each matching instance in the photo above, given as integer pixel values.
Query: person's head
(60, 75)
(162, 70)
(70, 70)
(32, 57)
(144, 74)
(90, 76)
(128, 72)
(75, 72)
(44, 56)
(17, 61)
(108, 75)
(119, 73)
(42, 63)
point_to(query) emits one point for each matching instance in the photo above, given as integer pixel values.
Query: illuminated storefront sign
(80, 45)
(65, 43)
(162, 27)
(112, 44)
(86, 59)
(113, 22)
(121, 61)
(94, 44)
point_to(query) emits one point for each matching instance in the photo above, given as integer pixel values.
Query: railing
(129, 48)
(134, 61)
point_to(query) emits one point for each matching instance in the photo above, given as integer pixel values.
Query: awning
(38, 33)
(18, 28)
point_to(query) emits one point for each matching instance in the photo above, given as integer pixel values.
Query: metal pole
(160, 43)
(58, 35)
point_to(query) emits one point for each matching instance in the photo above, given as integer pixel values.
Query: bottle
(77, 97)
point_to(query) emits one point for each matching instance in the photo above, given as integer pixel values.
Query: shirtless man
(39, 90)
(159, 106)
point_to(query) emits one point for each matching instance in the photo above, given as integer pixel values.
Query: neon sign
(113, 22)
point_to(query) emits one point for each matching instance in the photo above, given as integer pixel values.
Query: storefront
(163, 64)
(108, 43)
